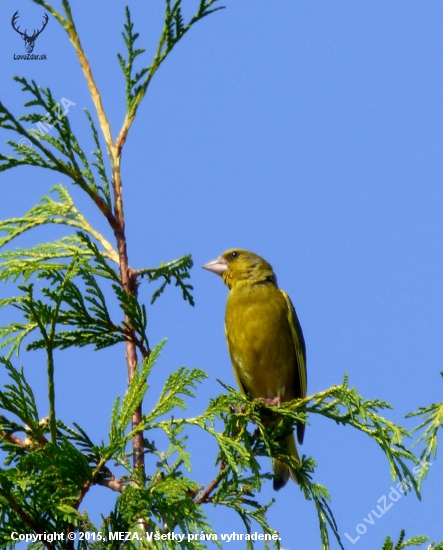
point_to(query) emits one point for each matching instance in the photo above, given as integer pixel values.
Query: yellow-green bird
(265, 339)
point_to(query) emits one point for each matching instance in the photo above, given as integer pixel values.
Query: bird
(265, 340)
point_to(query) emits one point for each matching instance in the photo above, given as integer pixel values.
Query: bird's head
(240, 266)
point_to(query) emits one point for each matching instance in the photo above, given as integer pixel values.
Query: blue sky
(311, 134)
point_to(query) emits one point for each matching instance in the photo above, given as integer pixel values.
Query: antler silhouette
(46, 19)
(13, 20)
(29, 40)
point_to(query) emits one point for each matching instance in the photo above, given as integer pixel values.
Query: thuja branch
(118, 221)
(174, 29)
(239, 447)
(69, 26)
(431, 423)
(136, 88)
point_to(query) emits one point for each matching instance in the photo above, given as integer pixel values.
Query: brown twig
(145, 353)
(128, 282)
(111, 482)
(31, 441)
(14, 439)
(204, 496)
(115, 219)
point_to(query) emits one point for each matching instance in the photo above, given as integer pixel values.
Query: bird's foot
(272, 402)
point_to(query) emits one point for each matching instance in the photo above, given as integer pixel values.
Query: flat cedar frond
(132, 81)
(25, 262)
(178, 383)
(101, 267)
(175, 27)
(177, 270)
(99, 163)
(173, 30)
(150, 504)
(178, 446)
(135, 312)
(122, 411)
(18, 399)
(345, 406)
(14, 334)
(401, 543)
(51, 135)
(49, 211)
(432, 421)
(78, 436)
(239, 447)
(86, 314)
(54, 115)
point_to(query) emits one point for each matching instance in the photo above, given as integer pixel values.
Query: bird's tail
(282, 470)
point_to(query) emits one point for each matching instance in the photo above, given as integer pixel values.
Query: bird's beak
(218, 266)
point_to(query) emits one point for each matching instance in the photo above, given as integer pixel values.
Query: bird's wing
(299, 345)
(235, 363)
(300, 354)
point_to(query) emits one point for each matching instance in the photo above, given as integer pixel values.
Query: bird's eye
(234, 254)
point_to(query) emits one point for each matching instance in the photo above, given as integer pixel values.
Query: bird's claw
(271, 401)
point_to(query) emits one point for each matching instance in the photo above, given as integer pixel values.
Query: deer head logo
(29, 40)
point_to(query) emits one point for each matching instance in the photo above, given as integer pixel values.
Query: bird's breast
(260, 341)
